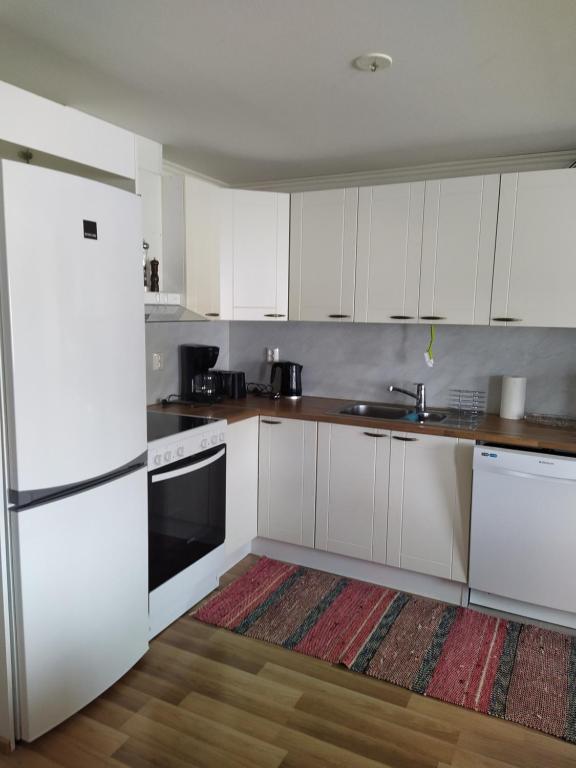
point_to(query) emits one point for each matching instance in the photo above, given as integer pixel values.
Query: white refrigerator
(74, 407)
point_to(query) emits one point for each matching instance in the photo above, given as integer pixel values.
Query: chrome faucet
(419, 396)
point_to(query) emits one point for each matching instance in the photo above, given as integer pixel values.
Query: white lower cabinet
(400, 499)
(352, 493)
(241, 483)
(429, 504)
(287, 480)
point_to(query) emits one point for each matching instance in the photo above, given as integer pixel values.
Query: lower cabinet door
(287, 480)
(241, 483)
(430, 498)
(352, 494)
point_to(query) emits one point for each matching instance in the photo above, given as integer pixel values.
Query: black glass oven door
(186, 513)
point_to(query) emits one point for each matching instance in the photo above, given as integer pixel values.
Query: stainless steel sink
(433, 417)
(376, 411)
(390, 412)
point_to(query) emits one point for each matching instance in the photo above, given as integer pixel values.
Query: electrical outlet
(272, 355)
(157, 361)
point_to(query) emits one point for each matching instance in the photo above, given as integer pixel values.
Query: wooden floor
(208, 698)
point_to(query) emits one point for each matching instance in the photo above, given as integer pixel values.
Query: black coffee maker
(286, 379)
(200, 382)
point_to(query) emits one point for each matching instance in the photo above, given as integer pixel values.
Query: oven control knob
(214, 439)
(158, 459)
(167, 456)
(180, 451)
(204, 443)
(221, 437)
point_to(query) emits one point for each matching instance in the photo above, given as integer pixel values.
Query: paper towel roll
(513, 397)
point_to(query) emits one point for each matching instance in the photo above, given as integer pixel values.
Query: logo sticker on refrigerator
(90, 230)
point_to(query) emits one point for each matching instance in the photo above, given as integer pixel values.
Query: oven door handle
(190, 468)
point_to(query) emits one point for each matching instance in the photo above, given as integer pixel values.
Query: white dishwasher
(523, 533)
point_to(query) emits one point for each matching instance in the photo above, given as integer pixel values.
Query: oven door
(186, 513)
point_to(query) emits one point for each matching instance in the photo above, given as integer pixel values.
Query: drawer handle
(507, 319)
(267, 421)
(431, 317)
(372, 434)
(405, 439)
(339, 317)
(400, 317)
(212, 314)
(272, 314)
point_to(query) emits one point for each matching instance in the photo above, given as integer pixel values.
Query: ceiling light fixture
(372, 62)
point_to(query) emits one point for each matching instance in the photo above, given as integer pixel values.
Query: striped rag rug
(518, 672)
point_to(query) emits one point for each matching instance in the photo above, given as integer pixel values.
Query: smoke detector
(372, 62)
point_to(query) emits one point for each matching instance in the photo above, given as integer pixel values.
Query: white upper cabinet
(458, 243)
(323, 229)
(535, 268)
(352, 493)
(430, 498)
(287, 480)
(206, 293)
(255, 243)
(149, 186)
(236, 252)
(389, 250)
(35, 123)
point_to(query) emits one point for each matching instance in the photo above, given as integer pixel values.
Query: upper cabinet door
(389, 251)
(535, 268)
(207, 292)
(258, 240)
(38, 124)
(458, 250)
(323, 254)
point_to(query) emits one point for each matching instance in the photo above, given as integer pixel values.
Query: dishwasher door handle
(524, 475)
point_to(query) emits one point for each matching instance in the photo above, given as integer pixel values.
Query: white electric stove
(186, 512)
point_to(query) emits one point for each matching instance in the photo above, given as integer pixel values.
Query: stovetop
(165, 424)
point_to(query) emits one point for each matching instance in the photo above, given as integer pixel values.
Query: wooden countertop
(491, 429)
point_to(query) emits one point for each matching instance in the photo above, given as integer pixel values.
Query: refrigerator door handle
(21, 500)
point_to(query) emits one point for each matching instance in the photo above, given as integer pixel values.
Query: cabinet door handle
(272, 314)
(339, 317)
(267, 421)
(507, 319)
(373, 434)
(400, 317)
(431, 317)
(212, 314)
(405, 439)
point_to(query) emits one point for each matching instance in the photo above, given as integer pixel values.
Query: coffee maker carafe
(286, 379)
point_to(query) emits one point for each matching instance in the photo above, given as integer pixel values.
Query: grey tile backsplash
(358, 361)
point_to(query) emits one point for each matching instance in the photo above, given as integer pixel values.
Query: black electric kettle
(286, 379)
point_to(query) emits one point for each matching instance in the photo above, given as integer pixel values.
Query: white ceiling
(249, 90)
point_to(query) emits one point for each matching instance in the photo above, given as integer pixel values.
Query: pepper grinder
(154, 277)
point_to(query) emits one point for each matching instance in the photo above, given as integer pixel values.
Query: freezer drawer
(524, 528)
(82, 594)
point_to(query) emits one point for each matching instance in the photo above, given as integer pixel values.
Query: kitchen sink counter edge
(490, 428)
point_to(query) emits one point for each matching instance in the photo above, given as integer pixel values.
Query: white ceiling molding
(508, 164)
(175, 169)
